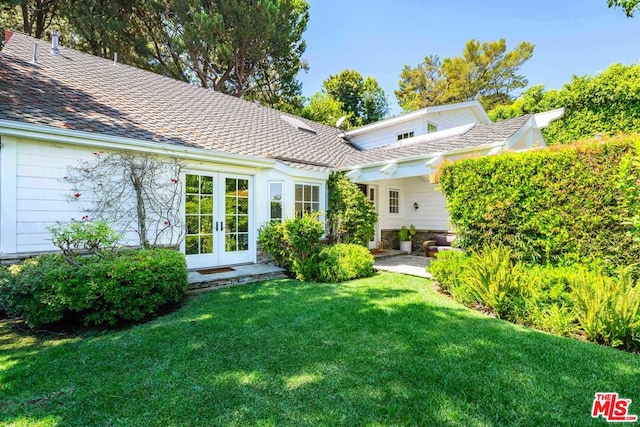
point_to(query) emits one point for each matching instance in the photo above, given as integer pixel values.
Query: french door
(218, 219)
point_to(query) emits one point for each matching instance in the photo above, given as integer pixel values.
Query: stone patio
(232, 276)
(412, 265)
(389, 260)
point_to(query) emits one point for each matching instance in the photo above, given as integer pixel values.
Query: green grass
(387, 350)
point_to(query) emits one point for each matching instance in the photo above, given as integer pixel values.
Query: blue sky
(377, 38)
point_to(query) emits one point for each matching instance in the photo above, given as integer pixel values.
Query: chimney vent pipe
(54, 42)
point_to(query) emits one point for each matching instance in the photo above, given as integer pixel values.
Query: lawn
(387, 350)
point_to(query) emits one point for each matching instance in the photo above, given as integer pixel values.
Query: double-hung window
(276, 192)
(394, 201)
(307, 199)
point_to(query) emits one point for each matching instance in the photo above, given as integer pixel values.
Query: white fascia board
(434, 162)
(354, 174)
(542, 120)
(425, 157)
(441, 134)
(526, 127)
(300, 173)
(97, 140)
(474, 105)
(389, 169)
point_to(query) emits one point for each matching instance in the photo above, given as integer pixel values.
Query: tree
(243, 48)
(132, 193)
(607, 103)
(33, 17)
(363, 100)
(629, 6)
(105, 27)
(485, 72)
(348, 94)
(322, 108)
(246, 48)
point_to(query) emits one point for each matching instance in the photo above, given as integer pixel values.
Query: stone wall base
(390, 239)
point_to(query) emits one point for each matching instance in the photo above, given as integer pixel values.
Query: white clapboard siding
(43, 195)
(431, 214)
(388, 135)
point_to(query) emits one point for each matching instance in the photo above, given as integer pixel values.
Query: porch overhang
(415, 166)
(424, 166)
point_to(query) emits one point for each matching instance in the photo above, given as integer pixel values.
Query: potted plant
(406, 238)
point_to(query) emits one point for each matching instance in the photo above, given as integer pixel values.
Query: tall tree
(606, 103)
(485, 72)
(247, 48)
(629, 6)
(244, 48)
(105, 27)
(322, 108)
(361, 100)
(33, 17)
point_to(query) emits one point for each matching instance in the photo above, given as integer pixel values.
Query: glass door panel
(236, 214)
(217, 219)
(199, 213)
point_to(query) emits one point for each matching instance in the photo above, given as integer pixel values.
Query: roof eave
(479, 111)
(448, 153)
(97, 140)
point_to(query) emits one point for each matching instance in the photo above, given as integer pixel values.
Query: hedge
(559, 204)
(125, 285)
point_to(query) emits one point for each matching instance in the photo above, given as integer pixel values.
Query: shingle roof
(479, 134)
(74, 90)
(78, 91)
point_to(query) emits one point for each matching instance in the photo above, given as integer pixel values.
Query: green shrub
(132, 284)
(447, 269)
(550, 205)
(547, 304)
(273, 241)
(554, 318)
(95, 238)
(494, 281)
(31, 290)
(608, 308)
(351, 216)
(340, 262)
(125, 285)
(292, 243)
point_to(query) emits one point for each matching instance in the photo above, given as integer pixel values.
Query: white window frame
(390, 205)
(405, 135)
(431, 124)
(307, 184)
(282, 200)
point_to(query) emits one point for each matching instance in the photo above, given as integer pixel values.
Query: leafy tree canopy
(629, 6)
(607, 103)
(349, 94)
(485, 72)
(322, 108)
(33, 17)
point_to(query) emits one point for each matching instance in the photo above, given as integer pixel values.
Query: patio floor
(412, 265)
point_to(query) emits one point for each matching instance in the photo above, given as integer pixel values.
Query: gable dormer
(417, 123)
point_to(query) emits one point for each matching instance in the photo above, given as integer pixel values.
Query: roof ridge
(82, 92)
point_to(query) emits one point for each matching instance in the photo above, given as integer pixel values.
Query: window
(405, 135)
(432, 127)
(307, 199)
(394, 201)
(275, 201)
